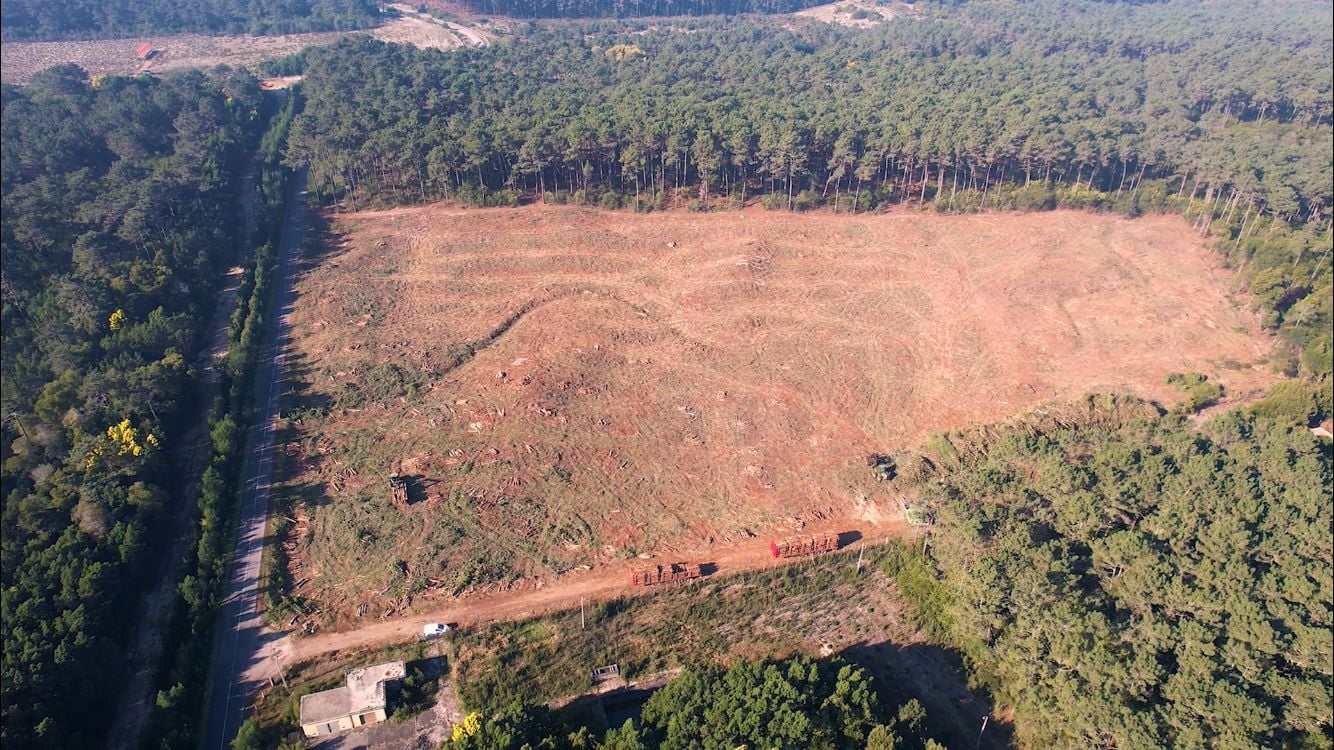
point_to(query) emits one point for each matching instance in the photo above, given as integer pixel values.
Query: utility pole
(859, 559)
(581, 613)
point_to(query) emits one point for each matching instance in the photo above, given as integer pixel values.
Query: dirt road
(566, 592)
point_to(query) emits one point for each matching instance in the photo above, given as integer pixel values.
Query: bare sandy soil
(19, 61)
(570, 388)
(845, 13)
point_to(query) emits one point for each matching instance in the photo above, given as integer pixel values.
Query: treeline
(1124, 579)
(936, 109)
(81, 19)
(118, 218)
(1128, 108)
(790, 704)
(633, 8)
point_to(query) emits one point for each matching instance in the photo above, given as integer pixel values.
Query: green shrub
(806, 200)
(1200, 391)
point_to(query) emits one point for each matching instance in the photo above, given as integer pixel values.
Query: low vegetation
(1200, 392)
(766, 612)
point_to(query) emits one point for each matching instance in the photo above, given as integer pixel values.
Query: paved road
(240, 628)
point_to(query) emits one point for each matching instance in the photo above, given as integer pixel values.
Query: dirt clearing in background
(857, 13)
(19, 61)
(567, 387)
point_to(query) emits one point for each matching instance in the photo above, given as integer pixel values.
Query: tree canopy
(1125, 580)
(785, 704)
(118, 218)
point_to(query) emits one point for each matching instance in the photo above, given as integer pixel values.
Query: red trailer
(795, 546)
(654, 574)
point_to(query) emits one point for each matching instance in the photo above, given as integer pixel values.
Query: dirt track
(561, 594)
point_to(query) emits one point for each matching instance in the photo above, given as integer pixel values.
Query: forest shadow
(418, 486)
(320, 240)
(602, 711)
(263, 637)
(937, 677)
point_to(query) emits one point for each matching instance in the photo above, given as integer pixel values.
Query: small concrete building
(358, 703)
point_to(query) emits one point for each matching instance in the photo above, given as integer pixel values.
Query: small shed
(144, 51)
(361, 701)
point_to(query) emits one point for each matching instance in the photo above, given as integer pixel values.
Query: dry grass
(573, 387)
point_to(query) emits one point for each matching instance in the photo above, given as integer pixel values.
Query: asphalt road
(240, 627)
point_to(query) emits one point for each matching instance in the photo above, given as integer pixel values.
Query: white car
(434, 629)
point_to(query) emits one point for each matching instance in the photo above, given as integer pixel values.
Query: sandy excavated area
(19, 61)
(675, 383)
(875, 12)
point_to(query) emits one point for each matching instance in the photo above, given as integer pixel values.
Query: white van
(434, 629)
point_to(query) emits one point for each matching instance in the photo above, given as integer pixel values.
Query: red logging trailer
(795, 546)
(664, 574)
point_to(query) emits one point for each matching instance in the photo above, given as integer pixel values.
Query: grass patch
(777, 612)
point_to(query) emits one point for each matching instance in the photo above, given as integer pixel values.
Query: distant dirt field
(19, 61)
(844, 13)
(569, 387)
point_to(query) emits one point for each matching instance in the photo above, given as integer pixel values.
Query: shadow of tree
(936, 677)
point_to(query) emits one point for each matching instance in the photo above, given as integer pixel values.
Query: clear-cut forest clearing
(569, 387)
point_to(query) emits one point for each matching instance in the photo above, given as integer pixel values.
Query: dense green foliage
(992, 105)
(791, 704)
(118, 218)
(1128, 581)
(633, 8)
(927, 108)
(73, 19)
